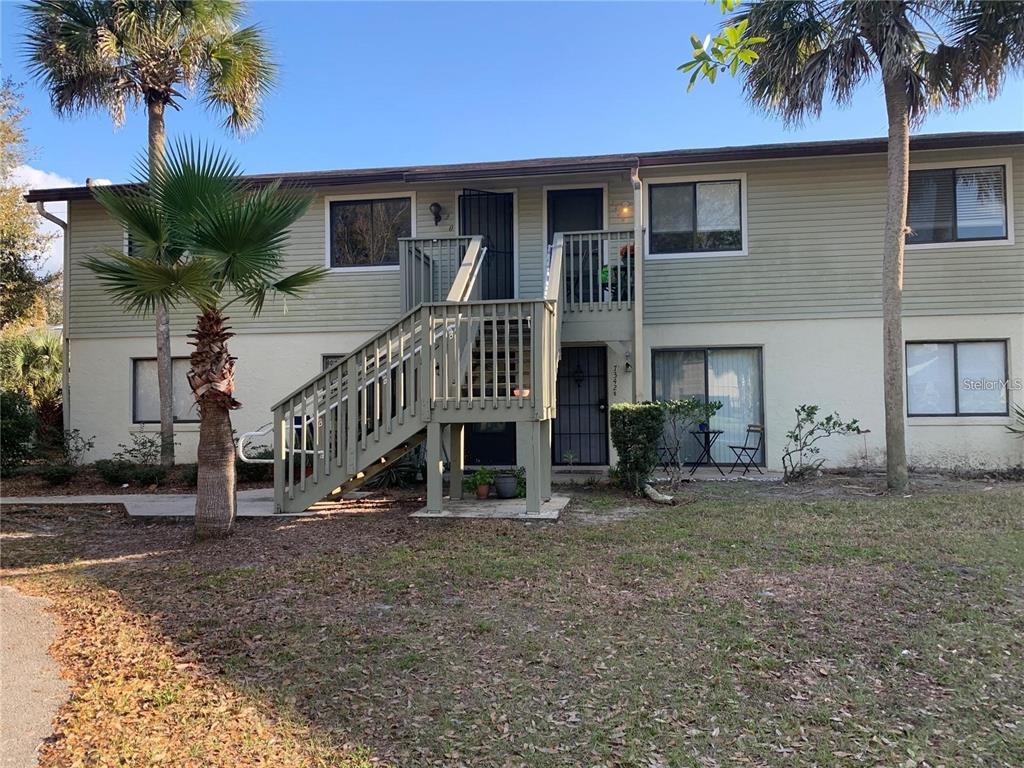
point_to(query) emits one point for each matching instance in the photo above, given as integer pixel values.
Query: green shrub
(636, 434)
(58, 474)
(255, 473)
(482, 476)
(114, 471)
(144, 448)
(18, 423)
(148, 474)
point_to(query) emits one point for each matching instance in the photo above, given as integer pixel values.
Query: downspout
(639, 259)
(65, 379)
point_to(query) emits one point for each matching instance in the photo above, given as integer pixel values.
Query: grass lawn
(752, 626)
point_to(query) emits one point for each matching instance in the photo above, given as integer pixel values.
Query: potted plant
(506, 484)
(481, 481)
(704, 412)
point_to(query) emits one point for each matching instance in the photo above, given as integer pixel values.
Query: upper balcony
(598, 280)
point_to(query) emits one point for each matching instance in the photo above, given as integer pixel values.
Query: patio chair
(746, 454)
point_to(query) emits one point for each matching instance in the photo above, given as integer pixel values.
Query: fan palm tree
(207, 239)
(112, 54)
(926, 53)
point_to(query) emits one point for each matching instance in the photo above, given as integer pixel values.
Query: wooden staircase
(455, 362)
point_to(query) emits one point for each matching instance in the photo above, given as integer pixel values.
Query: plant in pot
(481, 481)
(704, 412)
(506, 483)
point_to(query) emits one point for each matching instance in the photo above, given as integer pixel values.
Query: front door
(491, 214)
(575, 210)
(579, 434)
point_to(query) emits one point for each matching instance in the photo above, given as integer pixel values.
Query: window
(364, 233)
(146, 394)
(695, 217)
(948, 205)
(956, 378)
(730, 375)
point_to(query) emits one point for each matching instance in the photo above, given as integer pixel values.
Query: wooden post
(434, 466)
(282, 461)
(544, 432)
(456, 455)
(528, 457)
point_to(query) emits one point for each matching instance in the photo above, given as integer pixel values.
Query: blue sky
(372, 84)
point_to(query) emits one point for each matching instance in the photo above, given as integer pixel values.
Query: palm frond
(246, 240)
(238, 74)
(295, 284)
(140, 284)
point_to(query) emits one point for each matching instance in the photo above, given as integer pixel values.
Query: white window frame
(369, 195)
(657, 181)
(986, 162)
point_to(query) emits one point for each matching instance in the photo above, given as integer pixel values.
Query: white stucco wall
(269, 367)
(837, 364)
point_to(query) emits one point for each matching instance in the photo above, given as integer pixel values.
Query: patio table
(706, 439)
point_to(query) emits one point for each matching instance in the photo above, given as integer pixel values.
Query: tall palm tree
(926, 53)
(112, 54)
(207, 239)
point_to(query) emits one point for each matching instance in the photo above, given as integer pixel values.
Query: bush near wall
(18, 424)
(636, 434)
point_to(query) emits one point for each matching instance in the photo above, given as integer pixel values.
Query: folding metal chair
(746, 454)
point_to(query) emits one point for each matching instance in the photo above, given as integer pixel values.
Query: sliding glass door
(729, 375)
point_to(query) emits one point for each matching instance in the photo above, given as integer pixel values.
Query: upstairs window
(948, 205)
(364, 233)
(696, 217)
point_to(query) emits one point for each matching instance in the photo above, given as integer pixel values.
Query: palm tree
(208, 239)
(927, 54)
(112, 54)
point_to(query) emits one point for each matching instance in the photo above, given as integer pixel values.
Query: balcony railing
(429, 266)
(599, 270)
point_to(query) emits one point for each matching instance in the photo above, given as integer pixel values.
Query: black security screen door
(575, 210)
(491, 214)
(580, 429)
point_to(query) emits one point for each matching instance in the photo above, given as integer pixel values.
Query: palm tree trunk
(212, 381)
(164, 364)
(215, 488)
(898, 163)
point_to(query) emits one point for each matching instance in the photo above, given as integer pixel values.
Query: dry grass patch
(740, 629)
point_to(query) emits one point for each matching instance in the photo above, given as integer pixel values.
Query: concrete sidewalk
(31, 687)
(252, 503)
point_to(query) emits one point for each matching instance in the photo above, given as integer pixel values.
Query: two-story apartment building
(748, 275)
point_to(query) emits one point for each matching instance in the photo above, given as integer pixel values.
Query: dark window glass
(364, 233)
(952, 204)
(695, 216)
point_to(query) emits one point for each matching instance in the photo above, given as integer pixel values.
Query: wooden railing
(458, 360)
(429, 266)
(599, 270)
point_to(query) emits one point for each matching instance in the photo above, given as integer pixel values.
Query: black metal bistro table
(706, 438)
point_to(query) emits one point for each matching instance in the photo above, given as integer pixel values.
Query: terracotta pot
(483, 491)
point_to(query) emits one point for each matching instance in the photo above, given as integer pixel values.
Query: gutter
(65, 379)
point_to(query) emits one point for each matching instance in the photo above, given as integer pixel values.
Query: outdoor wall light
(626, 210)
(628, 367)
(437, 211)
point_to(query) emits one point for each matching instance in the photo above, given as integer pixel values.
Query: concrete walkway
(31, 689)
(253, 503)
